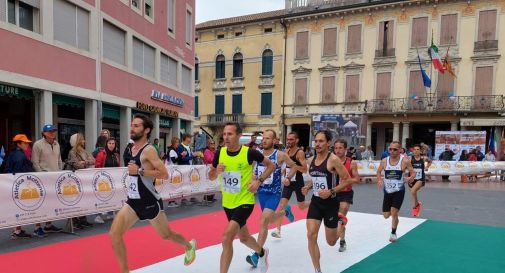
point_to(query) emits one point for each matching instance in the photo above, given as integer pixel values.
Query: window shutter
(266, 104)
(354, 39)
(445, 84)
(196, 107)
(267, 62)
(149, 59)
(302, 45)
(171, 15)
(330, 42)
(114, 43)
(237, 65)
(172, 71)
(220, 67)
(219, 106)
(449, 29)
(301, 91)
(236, 104)
(416, 85)
(390, 34)
(484, 81)
(186, 79)
(3, 11)
(164, 68)
(82, 29)
(328, 86)
(64, 22)
(352, 88)
(419, 32)
(383, 85)
(138, 55)
(487, 25)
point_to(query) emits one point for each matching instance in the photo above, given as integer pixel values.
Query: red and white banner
(31, 198)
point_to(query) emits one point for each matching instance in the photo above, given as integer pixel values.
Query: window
(219, 105)
(220, 67)
(266, 104)
(383, 85)
(449, 29)
(484, 81)
(301, 91)
(186, 79)
(267, 62)
(237, 34)
(419, 34)
(71, 24)
(328, 89)
(196, 107)
(330, 42)
(386, 30)
(351, 88)
(168, 70)
(197, 69)
(143, 58)
(302, 45)
(189, 27)
(220, 36)
(416, 85)
(487, 25)
(148, 8)
(354, 39)
(237, 65)
(24, 14)
(136, 4)
(268, 30)
(445, 84)
(114, 43)
(236, 105)
(171, 16)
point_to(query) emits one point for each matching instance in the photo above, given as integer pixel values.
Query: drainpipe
(283, 118)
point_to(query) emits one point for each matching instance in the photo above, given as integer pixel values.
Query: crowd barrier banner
(31, 198)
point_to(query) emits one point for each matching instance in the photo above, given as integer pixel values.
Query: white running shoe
(99, 220)
(263, 261)
(393, 238)
(276, 233)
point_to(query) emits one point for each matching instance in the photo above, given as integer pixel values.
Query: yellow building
(352, 66)
(240, 71)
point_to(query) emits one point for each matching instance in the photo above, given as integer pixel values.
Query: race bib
(318, 183)
(269, 180)
(419, 174)
(288, 169)
(393, 186)
(133, 187)
(231, 182)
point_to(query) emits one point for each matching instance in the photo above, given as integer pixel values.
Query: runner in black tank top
(324, 204)
(296, 182)
(418, 163)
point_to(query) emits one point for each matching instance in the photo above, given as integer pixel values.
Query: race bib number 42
(231, 182)
(133, 187)
(319, 183)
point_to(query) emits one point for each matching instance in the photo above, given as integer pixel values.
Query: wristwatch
(141, 171)
(261, 180)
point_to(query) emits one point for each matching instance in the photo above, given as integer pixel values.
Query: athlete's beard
(136, 137)
(267, 147)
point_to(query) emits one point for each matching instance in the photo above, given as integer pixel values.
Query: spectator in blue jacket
(184, 150)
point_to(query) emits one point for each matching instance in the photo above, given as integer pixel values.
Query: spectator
(101, 141)
(472, 156)
(108, 158)
(359, 152)
(127, 153)
(186, 156)
(46, 157)
(208, 158)
(463, 156)
(479, 154)
(368, 154)
(2, 156)
(490, 156)
(172, 157)
(446, 155)
(252, 142)
(17, 162)
(105, 133)
(79, 158)
(308, 152)
(200, 141)
(156, 145)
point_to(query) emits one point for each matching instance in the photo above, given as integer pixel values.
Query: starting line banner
(31, 198)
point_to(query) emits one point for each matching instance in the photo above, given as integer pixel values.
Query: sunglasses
(394, 149)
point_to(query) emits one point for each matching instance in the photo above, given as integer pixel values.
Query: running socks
(393, 231)
(262, 253)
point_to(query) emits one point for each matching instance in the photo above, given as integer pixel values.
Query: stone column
(91, 123)
(405, 133)
(369, 134)
(125, 120)
(454, 125)
(396, 131)
(45, 109)
(156, 127)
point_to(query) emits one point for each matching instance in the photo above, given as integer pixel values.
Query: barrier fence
(31, 198)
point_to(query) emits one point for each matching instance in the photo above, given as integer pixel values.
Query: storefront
(165, 132)
(69, 119)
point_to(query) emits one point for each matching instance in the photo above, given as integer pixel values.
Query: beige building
(240, 66)
(356, 61)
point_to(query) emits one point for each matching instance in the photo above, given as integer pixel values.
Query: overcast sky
(217, 9)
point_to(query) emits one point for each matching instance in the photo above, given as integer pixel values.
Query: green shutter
(219, 106)
(266, 104)
(69, 101)
(236, 104)
(196, 107)
(110, 112)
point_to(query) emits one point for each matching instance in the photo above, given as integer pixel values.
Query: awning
(68, 101)
(110, 112)
(15, 92)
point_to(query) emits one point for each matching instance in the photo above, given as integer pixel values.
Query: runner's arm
(345, 178)
(380, 181)
(215, 167)
(291, 164)
(354, 172)
(412, 172)
(159, 170)
(303, 161)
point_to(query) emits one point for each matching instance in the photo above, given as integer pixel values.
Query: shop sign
(9, 90)
(157, 95)
(483, 122)
(158, 110)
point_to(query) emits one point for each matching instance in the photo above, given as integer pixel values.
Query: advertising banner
(458, 141)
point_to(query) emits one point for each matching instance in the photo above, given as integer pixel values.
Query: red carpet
(95, 255)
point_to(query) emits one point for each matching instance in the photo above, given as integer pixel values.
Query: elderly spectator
(17, 162)
(184, 150)
(46, 157)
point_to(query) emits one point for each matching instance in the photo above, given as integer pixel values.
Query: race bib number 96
(319, 183)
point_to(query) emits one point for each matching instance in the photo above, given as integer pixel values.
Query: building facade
(240, 72)
(91, 64)
(352, 67)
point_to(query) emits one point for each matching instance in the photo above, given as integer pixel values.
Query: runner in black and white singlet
(296, 183)
(324, 204)
(418, 163)
(394, 167)
(144, 202)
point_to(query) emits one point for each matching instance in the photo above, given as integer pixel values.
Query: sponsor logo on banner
(103, 186)
(124, 176)
(446, 166)
(159, 184)
(69, 189)
(176, 177)
(194, 176)
(28, 192)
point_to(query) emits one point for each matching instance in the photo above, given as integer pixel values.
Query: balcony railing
(485, 45)
(491, 103)
(222, 119)
(296, 4)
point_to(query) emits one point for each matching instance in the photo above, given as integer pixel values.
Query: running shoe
(276, 233)
(20, 235)
(393, 238)
(99, 219)
(52, 229)
(343, 246)
(289, 213)
(39, 232)
(253, 259)
(263, 261)
(190, 256)
(416, 212)
(342, 219)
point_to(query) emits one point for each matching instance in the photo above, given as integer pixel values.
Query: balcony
(485, 45)
(321, 4)
(491, 103)
(388, 53)
(222, 119)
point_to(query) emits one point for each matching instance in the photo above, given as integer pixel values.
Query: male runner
(296, 183)
(233, 163)
(269, 193)
(394, 166)
(144, 202)
(324, 204)
(345, 196)
(417, 161)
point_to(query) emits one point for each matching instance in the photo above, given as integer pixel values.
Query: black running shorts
(393, 200)
(146, 209)
(239, 214)
(415, 181)
(345, 196)
(324, 210)
(296, 187)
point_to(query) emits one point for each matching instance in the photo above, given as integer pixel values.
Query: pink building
(85, 65)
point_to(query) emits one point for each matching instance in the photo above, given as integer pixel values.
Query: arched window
(237, 65)
(197, 67)
(267, 62)
(220, 67)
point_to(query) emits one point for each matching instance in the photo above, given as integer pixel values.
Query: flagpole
(431, 69)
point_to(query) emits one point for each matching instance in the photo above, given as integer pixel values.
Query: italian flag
(435, 58)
